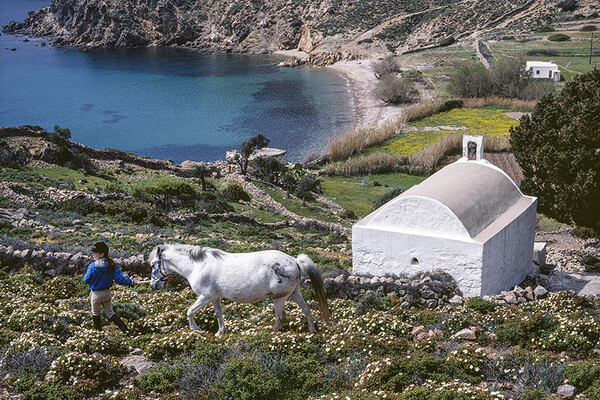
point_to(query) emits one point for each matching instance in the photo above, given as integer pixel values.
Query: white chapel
(468, 219)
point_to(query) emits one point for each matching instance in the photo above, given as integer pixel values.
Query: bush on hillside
(245, 378)
(589, 28)
(542, 52)
(394, 90)
(545, 28)
(506, 78)
(559, 37)
(306, 185)
(387, 196)
(447, 41)
(266, 168)
(386, 66)
(234, 191)
(557, 147)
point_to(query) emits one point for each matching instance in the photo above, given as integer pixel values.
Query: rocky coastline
(326, 32)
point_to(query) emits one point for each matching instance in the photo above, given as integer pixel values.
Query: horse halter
(160, 273)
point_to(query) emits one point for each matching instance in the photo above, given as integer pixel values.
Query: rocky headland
(327, 31)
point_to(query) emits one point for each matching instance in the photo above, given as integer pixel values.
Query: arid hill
(329, 30)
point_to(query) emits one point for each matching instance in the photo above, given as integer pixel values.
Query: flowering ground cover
(480, 121)
(49, 349)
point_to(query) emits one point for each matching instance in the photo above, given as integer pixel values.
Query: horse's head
(159, 272)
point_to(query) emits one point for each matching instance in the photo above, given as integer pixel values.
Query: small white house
(543, 70)
(468, 219)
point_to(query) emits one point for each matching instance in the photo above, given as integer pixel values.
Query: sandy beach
(369, 111)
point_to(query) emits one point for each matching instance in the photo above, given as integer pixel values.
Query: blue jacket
(98, 277)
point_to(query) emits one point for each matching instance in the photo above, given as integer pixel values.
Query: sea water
(167, 102)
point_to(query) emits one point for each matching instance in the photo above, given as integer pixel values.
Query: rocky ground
(326, 31)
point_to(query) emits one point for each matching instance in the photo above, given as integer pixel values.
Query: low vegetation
(50, 350)
(506, 77)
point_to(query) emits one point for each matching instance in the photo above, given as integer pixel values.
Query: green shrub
(386, 197)
(369, 302)
(81, 205)
(104, 372)
(234, 191)
(428, 317)
(245, 379)
(61, 287)
(582, 375)
(450, 105)
(129, 211)
(593, 392)
(396, 373)
(210, 203)
(266, 168)
(559, 37)
(447, 41)
(52, 391)
(480, 305)
(307, 184)
(301, 377)
(533, 395)
(169, 187)
(545, 28)
(523, 330)
(386, 66)
(162, 378)
(589, 28)
(395, 90)
(129, 311)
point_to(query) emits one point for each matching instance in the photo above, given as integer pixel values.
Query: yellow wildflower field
(478, 121)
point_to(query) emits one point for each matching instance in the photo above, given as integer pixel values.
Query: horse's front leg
(219, 313)
(198, 304)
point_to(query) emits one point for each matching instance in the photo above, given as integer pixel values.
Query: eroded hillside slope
(328, 30)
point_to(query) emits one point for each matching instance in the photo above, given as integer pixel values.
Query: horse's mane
(198, 253)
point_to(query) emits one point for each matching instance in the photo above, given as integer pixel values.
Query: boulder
(540, 292)
(465, 334)
(456, 300)
(565, 391)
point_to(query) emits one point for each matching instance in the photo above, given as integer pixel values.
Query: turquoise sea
(167, 102)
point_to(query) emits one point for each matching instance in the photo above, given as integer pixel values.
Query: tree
(248, 147)
(507, 77)
(202, 172)
(558, 148)
(395, 90)
(386, 66)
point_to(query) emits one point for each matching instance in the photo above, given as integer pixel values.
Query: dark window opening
(472, 151)
(414, 261)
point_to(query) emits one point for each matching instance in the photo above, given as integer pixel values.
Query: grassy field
(572, 57)
(437, 65)
(487, 121)
(357, 193)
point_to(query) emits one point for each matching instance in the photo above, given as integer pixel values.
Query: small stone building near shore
(468, 219)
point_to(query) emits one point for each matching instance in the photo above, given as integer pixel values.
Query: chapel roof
(481, 196)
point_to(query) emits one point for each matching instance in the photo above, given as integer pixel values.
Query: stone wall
(63, 263)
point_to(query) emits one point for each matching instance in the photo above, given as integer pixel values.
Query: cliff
(328, 30)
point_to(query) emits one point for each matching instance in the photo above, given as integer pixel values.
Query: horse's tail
(309, 268)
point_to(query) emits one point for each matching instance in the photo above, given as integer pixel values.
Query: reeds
(420, 111)
(499, 101)
(361, 138)
(430, 157)
(374, 163)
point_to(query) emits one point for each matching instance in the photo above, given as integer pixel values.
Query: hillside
(327, 30)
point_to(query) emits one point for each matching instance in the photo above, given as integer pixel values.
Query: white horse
(241, 277)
